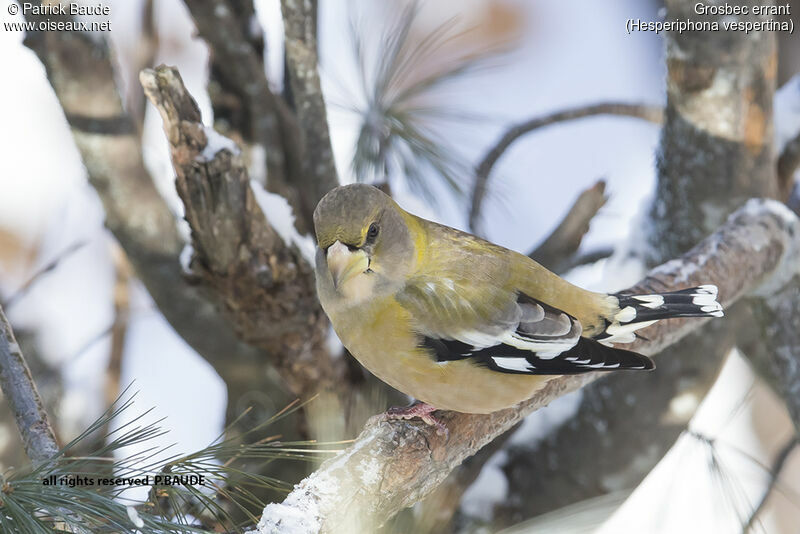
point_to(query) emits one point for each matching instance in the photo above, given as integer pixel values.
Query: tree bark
(775, 349)
(300, 31)
(788, 163)
(20, 392)
(716, 146)
(266, 287)
(241, 96)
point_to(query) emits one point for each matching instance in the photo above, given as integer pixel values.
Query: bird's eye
(372, 233)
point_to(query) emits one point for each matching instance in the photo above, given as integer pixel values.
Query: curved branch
(392, 465)
(23, 398)
(653, 114)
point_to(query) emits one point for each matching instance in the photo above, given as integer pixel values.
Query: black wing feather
(586, 356)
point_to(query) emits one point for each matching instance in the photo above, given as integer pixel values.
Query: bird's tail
(639, 311)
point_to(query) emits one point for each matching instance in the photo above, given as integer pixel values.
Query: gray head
(362, 231)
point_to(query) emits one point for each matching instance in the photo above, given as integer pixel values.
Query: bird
(459, 323)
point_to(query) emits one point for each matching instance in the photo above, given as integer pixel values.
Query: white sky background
(571, 53)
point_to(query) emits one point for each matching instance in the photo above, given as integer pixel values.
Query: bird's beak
(344, 264)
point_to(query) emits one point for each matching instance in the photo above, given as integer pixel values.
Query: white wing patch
(650, 301)
(623, 329)
(626, 315)
(545, 348)
(528, 326)
(513, 364)
(640, 311)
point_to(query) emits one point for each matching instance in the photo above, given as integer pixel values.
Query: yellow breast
(380, 336)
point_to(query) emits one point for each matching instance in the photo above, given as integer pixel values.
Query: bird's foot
(420, 409)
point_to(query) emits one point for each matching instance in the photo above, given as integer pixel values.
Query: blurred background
(701, 456)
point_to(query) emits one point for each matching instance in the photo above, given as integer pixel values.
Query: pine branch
(399, 76)
(71, 492)
(775, 473)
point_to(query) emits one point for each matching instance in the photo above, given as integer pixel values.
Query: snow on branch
(392, 465)
(265, 285)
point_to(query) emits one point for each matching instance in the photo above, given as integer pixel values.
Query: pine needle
(79, 502)
(399, 117)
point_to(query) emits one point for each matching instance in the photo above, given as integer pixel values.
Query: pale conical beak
(344, 264)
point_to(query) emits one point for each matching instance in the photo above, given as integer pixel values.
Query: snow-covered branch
(393, 465)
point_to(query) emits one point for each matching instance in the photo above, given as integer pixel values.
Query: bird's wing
(508, 332)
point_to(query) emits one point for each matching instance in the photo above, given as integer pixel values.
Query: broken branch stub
(266, 286)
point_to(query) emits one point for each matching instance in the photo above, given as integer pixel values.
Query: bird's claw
(421, 410)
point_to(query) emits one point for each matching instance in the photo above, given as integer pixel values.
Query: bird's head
(365, 243)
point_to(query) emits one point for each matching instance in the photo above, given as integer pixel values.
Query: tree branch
(582, 458)
(708, 167)
(436, 511)
(774, 348)
(558, 249)
(238, 71)
(788, 163)
(300, 30)
(82, 77)
(23, 398)
(590, 256)
(392, 465)
(266, 286)
(639, 111)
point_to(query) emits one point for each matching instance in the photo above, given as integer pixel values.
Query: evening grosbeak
(460, 323)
